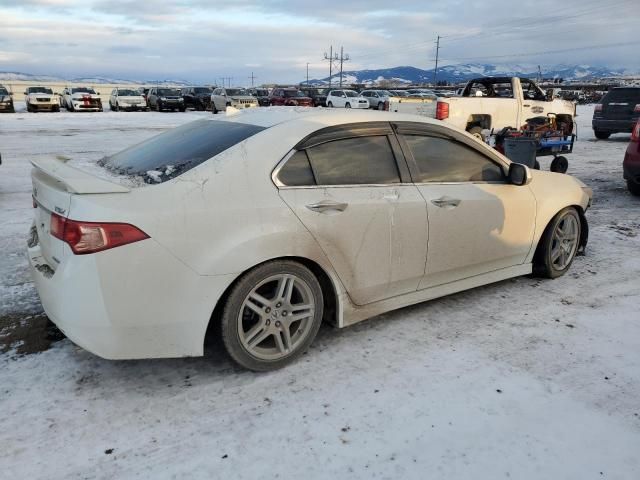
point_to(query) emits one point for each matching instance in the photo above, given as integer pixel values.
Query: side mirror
(26, 93)
(519, 174)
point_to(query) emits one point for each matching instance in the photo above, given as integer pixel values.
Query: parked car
(76, 99)
(145, 93)
(631, 163)
(127, 99)
(498, 102)
(41, 98)
(422, 93)
(246, 229)
(198, 98)
(163, 98)
(317, 94)
(346, 99)
(261, 94)
(617, 112)
(289, 97)
(376, 98)
(222, 97)
(6, 101)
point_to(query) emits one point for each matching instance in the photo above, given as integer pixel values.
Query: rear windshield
(622, 95)
(174, 152)
(3, 91)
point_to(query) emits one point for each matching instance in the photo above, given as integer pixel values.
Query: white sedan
(241, 226)
(346, 99)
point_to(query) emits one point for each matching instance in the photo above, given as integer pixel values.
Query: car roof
(325, 117)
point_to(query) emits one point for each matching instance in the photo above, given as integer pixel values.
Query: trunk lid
(619, 103)
(53, 183)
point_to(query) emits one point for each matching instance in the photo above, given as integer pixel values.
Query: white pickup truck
(417, 105)
(490, 103)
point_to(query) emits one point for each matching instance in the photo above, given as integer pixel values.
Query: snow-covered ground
(524, 379)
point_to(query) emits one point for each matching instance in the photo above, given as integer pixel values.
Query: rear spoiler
(74, 179)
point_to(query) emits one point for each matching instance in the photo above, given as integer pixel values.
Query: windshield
(262, 93)
(83, 90)
(234, 92)
(3, 91)
(168, 92)
(350, 93)
(202, 90)
(128, 93)
(40, 90)
(293, 93)
(172, 153)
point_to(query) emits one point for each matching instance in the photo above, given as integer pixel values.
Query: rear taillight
(598, 107)
(635, 133)
(442, 110)
(636, 109)
(92, 237)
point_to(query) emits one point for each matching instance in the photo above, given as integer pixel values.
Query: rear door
(478, 222)
(351, 189)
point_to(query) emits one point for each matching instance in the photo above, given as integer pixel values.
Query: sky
(206, 40)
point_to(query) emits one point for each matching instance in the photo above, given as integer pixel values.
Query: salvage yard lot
(526, 379)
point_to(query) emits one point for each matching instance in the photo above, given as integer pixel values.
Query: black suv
(163, 98)
(262, 94)
(617, 112)
(6, 102)
(318, 95)
(198, 98)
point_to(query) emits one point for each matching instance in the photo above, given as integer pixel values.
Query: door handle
(445, 201)
(526, 105)
(327, 205)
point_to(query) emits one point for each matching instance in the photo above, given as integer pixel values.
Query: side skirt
(353, 314)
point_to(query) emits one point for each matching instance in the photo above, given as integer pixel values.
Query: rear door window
(176, 151)
(354, 161)
(622, 95)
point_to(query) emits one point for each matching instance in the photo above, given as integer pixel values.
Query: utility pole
(252, 77)
(332, 58)
(307, 74)
(435, 70)
(343, 58)
(539, 75)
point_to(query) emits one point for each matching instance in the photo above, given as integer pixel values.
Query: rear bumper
(613, 126)
(131, 302)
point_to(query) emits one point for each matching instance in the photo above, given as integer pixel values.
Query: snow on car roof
(270, 116)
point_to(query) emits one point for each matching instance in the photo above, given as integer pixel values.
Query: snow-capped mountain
(464, 72)
(97, 80)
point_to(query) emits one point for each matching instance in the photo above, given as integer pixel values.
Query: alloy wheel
(276, 317)
(564, 243)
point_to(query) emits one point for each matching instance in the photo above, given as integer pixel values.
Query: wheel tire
(236, 315)
(543, 263)
(633, 187)
(347, 105)
(183, 109)
(559, 164)
(28, 107)
(117, 109)
(158, 107)
(214, 110)
(536, 165)
(601, 135)
(330, 104)
(476, 132)
(380, 105)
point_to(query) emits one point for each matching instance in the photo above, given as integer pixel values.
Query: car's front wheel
(272, 315)
(558, 245)
(633, 187)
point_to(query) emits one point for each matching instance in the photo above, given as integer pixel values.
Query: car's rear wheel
(330, 104)
(272, 315)
(158, 107)
(558, 245)
(601, 135)
(633, 187)
(380, 105)
(347, 105)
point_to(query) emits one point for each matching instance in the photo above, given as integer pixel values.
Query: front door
(478, 222)
(371, 226)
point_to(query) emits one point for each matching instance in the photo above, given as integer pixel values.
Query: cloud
(275, 39)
